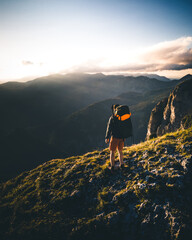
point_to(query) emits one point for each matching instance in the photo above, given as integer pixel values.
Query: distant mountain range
(161, 78)
(64, 115)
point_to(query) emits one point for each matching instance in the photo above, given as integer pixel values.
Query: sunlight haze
(39, 38)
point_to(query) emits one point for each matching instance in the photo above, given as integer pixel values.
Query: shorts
(116, 143)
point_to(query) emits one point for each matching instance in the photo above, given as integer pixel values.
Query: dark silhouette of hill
(187, 77)
(161, 78)
(40, 107)
(20, 151)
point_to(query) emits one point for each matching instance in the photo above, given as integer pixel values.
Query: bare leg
(112, 158)
(120, 153)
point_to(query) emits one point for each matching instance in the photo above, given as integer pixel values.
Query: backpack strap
(123, 117)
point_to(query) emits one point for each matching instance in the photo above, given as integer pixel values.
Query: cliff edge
(168, 114)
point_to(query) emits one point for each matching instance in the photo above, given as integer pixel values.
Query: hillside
(79, 198)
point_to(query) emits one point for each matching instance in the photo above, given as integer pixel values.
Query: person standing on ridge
(119, 128)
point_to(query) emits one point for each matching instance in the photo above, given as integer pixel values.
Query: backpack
(123, 120)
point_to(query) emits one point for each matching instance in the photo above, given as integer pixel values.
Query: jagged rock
(177, 180)
(164, 175)
(186, 122)
(142, 162)
(154, 171)
(100, 216)
(177, 158)
(123, 197)
(141, 185)
(154, 222)
(151, 185)
(163, 159)
(156, 118)
(168, 114)
(75, 194)
(161, 169)
(113, 218)
(145, 154)
(91, 180)
(186, 147)
(187, 164)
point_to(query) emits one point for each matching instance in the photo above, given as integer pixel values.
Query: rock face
(156, 118)
(168, 114)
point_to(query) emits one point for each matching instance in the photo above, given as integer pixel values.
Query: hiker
(119, 128)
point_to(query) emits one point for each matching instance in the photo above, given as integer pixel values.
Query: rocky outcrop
(156, 118)
(168, 114)
(186, 122)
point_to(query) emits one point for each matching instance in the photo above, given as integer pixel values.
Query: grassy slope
(78, 197)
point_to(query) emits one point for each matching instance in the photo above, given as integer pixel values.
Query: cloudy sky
(41, 37)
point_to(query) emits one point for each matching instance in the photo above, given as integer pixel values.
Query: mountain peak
(186, 77)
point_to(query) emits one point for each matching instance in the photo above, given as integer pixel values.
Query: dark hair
(116, 105)
(113, 107)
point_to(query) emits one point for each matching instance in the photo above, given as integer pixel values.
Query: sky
(42, 37)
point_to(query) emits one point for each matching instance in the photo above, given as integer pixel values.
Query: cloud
(178, 67)
(169, 55)
(27, 63)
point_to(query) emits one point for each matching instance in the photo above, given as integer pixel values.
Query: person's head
(113, 108)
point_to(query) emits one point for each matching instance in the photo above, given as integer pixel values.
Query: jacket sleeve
(109, 128)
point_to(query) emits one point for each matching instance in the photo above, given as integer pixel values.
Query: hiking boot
(122, 167)
(112, 168)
